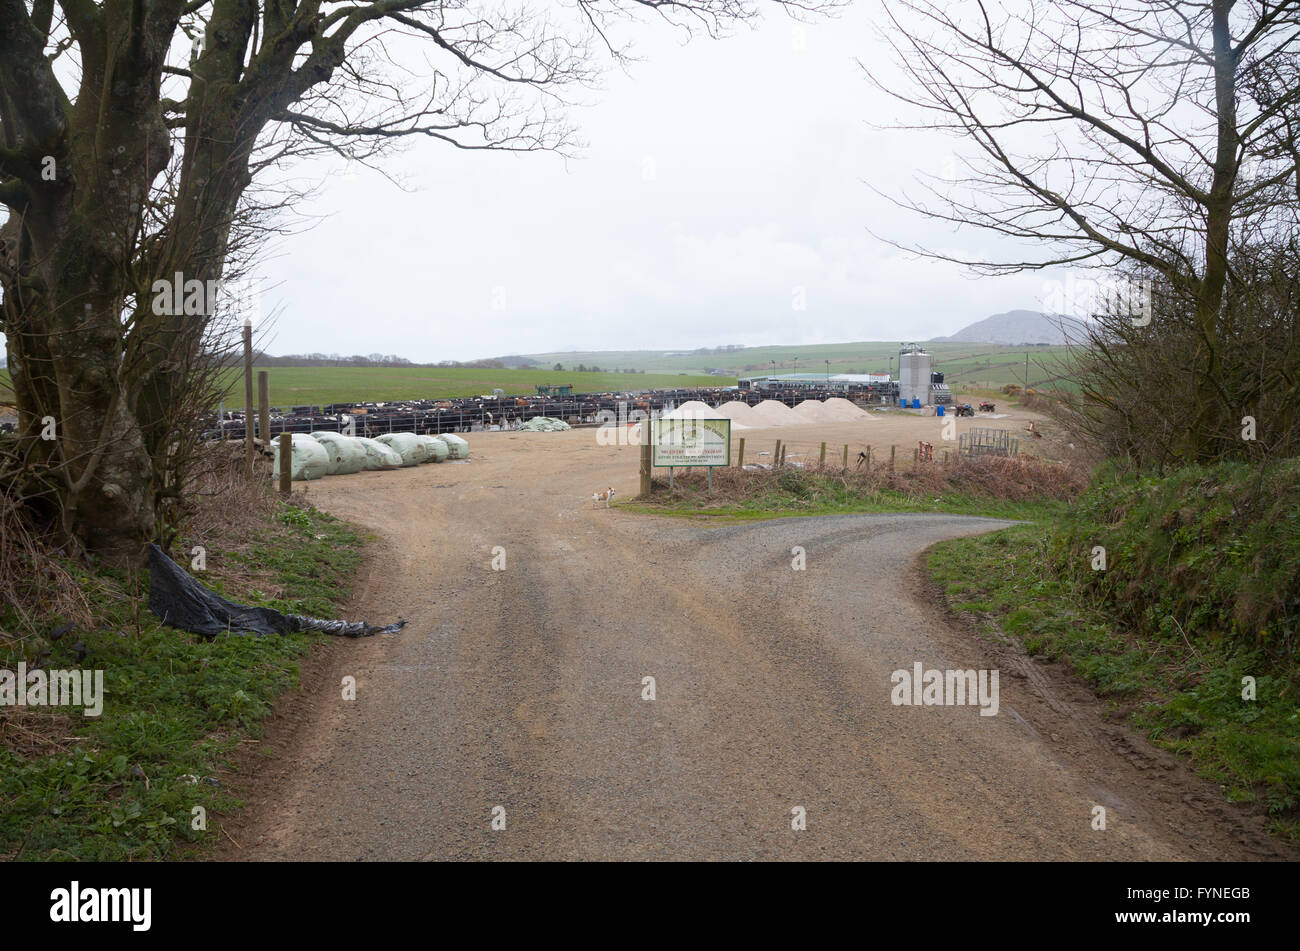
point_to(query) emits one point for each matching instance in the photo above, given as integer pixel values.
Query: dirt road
(523, 688)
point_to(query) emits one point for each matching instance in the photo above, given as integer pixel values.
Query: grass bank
(1190, 628)
(125, 785)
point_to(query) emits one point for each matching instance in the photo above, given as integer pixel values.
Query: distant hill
(516, 362)
(1019, 327)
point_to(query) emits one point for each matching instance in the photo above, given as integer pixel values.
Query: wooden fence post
(846, 455)
(264, 409)
(645, 460)
(822, 464)
(248, 394)
(286, 462)
(776, 455)
(892, 449)
(740, 461)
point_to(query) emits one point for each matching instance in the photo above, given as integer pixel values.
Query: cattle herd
(473, 413)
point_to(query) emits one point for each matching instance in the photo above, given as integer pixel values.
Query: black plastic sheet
(181, 602)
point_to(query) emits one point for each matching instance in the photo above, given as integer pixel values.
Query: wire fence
(424, 423)
(771, 452)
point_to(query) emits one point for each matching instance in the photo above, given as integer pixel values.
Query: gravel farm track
(522, 688)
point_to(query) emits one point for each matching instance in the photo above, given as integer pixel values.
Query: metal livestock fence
(469, 413)
(987, 442)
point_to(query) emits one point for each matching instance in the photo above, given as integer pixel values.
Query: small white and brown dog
(598, 497)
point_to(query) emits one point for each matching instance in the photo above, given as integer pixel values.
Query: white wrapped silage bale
(435, 447)
(308, 459)
(378, 454)
(407, 445)
(457, 447)
(346, 454)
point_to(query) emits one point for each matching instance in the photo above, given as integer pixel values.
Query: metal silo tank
(914, 374)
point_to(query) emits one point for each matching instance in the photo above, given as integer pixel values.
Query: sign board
(690, 442)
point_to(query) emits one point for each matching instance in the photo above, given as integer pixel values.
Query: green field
(319, 386)
(968, 366)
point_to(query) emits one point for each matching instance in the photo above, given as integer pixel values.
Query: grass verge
(125, 785)
(1161, 633)
(1021, 489)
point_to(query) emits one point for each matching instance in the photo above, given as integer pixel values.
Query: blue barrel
(916, 402)
(938, 410)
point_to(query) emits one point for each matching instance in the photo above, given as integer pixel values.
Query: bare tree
(1151, 135)
(130, 134)
(1133, 390)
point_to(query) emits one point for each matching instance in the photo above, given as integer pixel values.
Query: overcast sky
(722, 182)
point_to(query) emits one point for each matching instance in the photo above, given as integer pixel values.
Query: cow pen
(468, 414)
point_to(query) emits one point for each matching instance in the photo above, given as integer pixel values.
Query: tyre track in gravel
(522, 688)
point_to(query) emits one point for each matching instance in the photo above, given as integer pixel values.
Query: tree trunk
(1207, 428)
(76, 421)
(69, 249)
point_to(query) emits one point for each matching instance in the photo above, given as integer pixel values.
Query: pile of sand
(692, 409)
(741, 415)
(815, 411)
(775, 413)
(843, 411)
